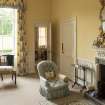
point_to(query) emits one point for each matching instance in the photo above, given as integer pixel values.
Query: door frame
(49, 37)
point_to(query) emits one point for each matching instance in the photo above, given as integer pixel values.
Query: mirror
(102, 15)
(100, 40)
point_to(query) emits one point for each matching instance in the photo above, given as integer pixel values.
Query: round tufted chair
(54, 88)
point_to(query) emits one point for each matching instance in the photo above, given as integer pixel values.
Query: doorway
(42, 42)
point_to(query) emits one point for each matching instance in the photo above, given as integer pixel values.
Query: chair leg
(12, 76)
(15, 78)
(1, 77)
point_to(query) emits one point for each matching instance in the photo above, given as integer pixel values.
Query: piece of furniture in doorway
(53, 88)
(8, 70)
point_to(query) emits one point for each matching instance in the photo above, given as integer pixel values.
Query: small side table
(4, 70)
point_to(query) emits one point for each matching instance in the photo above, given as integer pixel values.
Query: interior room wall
(87, 13)
(36, 11)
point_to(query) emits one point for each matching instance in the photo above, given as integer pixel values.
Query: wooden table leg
(12, 76)
(15, 78)
(76, 78)
(1, 77)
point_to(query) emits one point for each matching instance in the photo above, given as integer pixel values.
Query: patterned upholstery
(51, 88)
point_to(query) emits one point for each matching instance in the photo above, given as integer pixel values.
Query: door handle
(62, 48)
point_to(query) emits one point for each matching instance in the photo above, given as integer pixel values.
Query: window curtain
(21, 40)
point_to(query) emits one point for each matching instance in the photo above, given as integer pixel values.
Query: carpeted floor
(27, 93)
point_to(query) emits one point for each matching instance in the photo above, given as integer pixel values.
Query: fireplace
(101, 78)
(102, 72)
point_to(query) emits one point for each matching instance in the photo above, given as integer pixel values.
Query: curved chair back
(45, 66)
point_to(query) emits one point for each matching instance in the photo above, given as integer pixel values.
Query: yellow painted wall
(87, 12)
(36, 11)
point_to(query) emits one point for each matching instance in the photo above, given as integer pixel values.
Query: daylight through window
(8, 30)
(42, 37)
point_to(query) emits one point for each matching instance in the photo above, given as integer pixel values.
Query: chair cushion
(57, 84)
(50, 75)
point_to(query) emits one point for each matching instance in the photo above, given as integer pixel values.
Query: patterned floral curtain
(21, 42)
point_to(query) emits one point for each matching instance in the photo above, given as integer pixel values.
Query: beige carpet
(27, 93)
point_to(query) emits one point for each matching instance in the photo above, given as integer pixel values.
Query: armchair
(53, 88)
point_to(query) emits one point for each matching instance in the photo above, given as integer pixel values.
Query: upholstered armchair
(52, 85)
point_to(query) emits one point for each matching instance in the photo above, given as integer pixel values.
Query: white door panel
(68, 45)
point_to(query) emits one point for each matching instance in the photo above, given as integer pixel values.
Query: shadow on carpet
(8, 86)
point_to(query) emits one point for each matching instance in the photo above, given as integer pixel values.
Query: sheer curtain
(21, 42)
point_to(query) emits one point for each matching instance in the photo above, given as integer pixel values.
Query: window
(42, 37)
(8, 30)
(8, 33)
